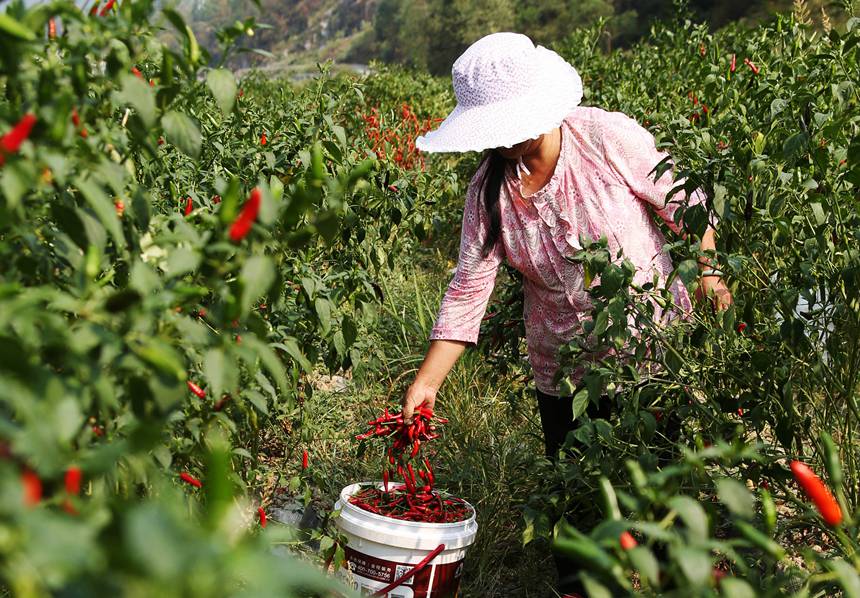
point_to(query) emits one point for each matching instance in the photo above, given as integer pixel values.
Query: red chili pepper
(242, 225)
(304, 460)
(95, 8)
(752, 66)
(136, 72)
(196, 389)
(262, 515)
(742, 326)
(628, 542)
(73, 480)
(189, 206)
(216, 199)
(732, 65)
(119, 206)
(84, 133)
(11, 141)
(107, 7)
(702, 49)
(76, 119)
(190, 479)
(263, 139)
(32, 488)
(817, 492)
(52, 28)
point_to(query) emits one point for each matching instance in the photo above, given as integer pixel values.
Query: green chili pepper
(768, 511)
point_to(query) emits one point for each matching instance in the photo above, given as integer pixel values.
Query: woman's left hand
(716, 289)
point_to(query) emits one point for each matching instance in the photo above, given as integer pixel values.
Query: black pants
(556, 418)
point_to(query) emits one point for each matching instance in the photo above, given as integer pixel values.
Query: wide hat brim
(557, 91)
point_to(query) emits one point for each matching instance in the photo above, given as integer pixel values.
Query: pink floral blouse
(600, 186)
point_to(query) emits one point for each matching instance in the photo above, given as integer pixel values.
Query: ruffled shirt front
(600, 186)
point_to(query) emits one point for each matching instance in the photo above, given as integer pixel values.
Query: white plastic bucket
(381, 550)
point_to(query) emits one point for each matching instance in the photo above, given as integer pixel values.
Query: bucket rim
(351, 489)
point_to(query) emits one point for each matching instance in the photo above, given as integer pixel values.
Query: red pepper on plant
(262, 514)
(73, 480)
(628, 542)
(32, 488)
(189, 206)
(136, 72)
(196, 389)
(242, 225)
(732, 65)
(52, 28)
(817, 492)
(107, 8)
(752, 66)
(11, 141)
(190, 479)
(304, 460)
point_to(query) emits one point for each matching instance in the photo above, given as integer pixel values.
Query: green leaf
(736, 588)
(323, 309)
(192, 49)
(580, 403)
(350, 331)
(818, 213)
(215, 370)
(695, 564)
(292, 349)
(13, 28)
(644, 561)
(138, 94)
(15, 181)
(693, 515)
(688, 270)
(161, 356)
(794, 144)
(270, 361)
(736, 497)
(222, 84)
(257, 276)
(181, 260)
(103, 208)
(847, 575)
(182, 132)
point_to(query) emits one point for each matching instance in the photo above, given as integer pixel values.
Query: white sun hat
(508, 90)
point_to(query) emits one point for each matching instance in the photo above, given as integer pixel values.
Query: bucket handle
(406, 576)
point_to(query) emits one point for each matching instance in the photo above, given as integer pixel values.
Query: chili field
(209, 285)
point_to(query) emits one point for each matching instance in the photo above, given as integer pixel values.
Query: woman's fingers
(414, 398)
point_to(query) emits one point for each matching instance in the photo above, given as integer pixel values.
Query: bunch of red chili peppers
(397, 139)
(415, 499)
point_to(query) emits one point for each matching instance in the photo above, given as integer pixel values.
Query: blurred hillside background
(430, 34)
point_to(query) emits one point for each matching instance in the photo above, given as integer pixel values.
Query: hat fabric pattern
(508, 90)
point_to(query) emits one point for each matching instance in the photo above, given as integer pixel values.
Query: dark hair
(491, 186)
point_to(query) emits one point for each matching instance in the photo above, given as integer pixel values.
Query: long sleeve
(466, 299)
(631, 152)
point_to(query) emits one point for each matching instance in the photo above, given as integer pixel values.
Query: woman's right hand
(417, 395)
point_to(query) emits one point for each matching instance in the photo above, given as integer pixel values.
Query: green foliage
(141, 336)
(774, 154)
